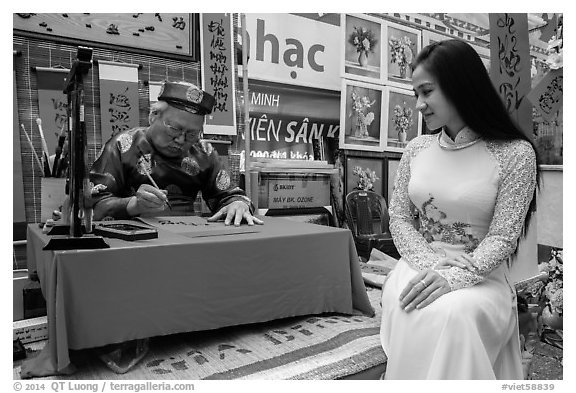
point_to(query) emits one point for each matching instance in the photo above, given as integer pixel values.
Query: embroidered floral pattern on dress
(222, 180)
(190, 166)
(125, 142)
(517, 180)
(144, 164)
(410, 244)
(435, 227)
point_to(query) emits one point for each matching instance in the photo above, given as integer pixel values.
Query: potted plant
(555, 58)
(364, 41)
(360, 104)
(366, 178)
(552, 313)
(401, 53)
(546, 297)
(403, 121)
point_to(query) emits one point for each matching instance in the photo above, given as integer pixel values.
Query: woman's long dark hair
(462, 77)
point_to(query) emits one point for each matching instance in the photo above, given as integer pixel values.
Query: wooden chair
(367, 218)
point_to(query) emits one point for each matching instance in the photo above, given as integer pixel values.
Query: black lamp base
(86, 242)
(64, 230)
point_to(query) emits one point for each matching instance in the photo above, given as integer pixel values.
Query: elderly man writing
(168, 154)
(146, 170)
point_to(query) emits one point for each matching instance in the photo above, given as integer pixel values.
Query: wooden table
(177, 284)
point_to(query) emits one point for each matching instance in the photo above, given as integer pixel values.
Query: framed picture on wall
(362, 48)
(429, 37)
(361, 116)
(391, 167)
(365, 173)
(403, 121)
(402, 45)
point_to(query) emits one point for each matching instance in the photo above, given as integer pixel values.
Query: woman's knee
(454, 307)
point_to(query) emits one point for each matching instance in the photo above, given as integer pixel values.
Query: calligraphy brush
(32, 147)
(147, 173)
(46, 152)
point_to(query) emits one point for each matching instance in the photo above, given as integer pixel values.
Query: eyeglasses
(189, 136)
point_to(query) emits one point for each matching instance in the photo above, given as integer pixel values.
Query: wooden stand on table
(79, 192)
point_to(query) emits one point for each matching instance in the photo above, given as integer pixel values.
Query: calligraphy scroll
(52, 103)
(118, 97)
(547, 95)
(510, 65)
(216, 34)
(510, 72)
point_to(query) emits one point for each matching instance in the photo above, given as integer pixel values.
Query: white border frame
(344, 41)
(343, 116)
(418, 119)
(394, 81)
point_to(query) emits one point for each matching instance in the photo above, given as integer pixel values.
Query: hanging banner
(510, 65)
(52, 103)
(547, 95)
(510, 72)
(285, 120)
(154, 91)
(18, 210)
(217, 56)
(295, 50)
(118, 97)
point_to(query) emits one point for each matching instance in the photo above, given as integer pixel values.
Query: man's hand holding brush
(148, 199)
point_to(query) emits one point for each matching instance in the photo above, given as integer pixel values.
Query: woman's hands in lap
(423, 289)
(429, 285)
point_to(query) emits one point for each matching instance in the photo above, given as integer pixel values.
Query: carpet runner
(327, 346)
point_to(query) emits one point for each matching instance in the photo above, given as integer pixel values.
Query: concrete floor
(546, 362)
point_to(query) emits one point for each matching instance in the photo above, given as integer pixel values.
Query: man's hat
(187, 97)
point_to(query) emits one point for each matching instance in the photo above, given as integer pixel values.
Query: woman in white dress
(461, 200)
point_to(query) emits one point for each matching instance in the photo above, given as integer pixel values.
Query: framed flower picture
(361, 110)
(362, 48)
(365, 173)
(402, 45)
(403, 121)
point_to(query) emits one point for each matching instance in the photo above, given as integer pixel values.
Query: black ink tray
(125, 230)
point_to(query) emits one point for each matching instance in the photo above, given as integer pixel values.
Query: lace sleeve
(517, 165)
(410, 244)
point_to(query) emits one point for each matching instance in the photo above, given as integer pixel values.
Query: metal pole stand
(78, 237)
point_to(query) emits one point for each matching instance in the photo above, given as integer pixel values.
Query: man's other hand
(236, 212)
